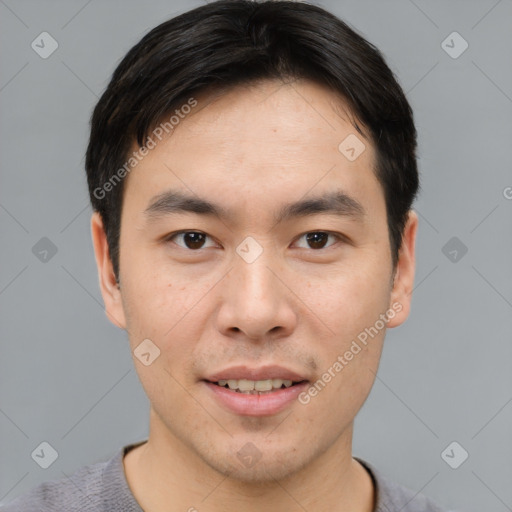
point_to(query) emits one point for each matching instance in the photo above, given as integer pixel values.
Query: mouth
(256, 387)
(245, 397)
(249, 391)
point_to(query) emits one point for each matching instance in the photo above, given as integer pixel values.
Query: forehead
(301, 110)
(263, 142)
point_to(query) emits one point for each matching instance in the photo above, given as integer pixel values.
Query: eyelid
(338, 236)
(170, 236)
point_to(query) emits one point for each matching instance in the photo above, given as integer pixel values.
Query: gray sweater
(102, 487)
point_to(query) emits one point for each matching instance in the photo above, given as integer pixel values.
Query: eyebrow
(335, 203)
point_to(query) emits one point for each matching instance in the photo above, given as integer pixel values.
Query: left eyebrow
(335, 203)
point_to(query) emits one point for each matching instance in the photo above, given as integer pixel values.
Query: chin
(263, 473)
(248, 462)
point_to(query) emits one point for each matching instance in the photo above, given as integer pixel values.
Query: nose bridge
(253, 276)
(255, 302)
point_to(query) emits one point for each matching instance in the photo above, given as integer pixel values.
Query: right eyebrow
(172, 201)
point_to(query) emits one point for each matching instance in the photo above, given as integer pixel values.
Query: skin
(252, 150)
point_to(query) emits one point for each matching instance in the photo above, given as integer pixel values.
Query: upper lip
(262, 373)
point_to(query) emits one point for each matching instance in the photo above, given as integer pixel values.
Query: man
(252, 168)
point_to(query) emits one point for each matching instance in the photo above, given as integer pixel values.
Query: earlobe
(110, 290)
(401, 294)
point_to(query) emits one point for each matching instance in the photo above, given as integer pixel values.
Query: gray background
(66, 373)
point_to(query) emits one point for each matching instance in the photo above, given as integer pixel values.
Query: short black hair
(233, 42)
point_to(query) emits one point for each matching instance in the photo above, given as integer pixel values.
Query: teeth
(263, 385)
(245, 385)
(233, 384)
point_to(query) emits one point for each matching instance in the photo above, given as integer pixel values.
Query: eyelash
(169, 238)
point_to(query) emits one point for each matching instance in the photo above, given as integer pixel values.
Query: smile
(255, 387)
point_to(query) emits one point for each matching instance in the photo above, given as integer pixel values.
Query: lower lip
(256, 405)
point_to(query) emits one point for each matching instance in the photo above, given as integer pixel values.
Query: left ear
(401, 294)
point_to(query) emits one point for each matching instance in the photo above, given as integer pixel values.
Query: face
(259, 283)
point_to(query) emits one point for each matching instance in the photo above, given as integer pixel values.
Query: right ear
(110, 290)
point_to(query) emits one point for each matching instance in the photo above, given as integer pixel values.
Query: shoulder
(391, 495)
(92, 488)
(78, 492)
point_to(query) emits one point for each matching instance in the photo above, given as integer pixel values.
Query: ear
(110, 290)
(401, 294)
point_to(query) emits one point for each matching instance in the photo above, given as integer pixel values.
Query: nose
(257, 301)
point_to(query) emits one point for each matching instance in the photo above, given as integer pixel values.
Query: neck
(165, 471)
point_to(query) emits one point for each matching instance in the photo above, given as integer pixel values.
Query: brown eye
(192, 240)
(318, 239)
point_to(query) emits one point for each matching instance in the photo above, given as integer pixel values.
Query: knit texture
(102, 487)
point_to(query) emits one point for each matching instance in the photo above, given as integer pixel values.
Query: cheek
(348, 359)
(173, 312)
(347, 300)
(157, 296)
(349, 304)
